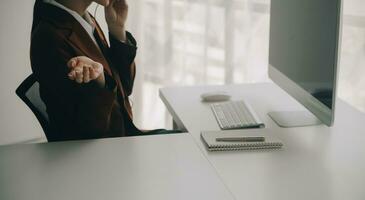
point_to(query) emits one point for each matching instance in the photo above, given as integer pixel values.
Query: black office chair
(28, 91)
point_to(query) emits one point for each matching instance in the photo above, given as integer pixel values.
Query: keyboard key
(234, 115)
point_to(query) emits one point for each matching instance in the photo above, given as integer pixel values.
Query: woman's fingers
(79, 74)
(120, 6)
(72, 75)
(93, 74)
(73, 62)
(86, 74)
(98, 68)
(84, 69)
(110, 5)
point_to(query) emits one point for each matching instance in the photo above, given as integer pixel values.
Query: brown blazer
(81, 111)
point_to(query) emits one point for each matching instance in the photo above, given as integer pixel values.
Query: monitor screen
(303, 44)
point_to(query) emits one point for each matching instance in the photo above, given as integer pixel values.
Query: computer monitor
(304, 55)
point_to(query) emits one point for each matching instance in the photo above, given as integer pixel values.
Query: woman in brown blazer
(84, 82)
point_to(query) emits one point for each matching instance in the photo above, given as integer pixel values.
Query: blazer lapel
(104, 44)
(78, 37)
(82, 41)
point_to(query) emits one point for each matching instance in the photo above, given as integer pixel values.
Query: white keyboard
(236, 115)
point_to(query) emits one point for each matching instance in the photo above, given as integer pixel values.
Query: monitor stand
(288, 119)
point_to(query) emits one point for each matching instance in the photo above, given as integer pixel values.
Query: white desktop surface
(316, 163)
(161, 167)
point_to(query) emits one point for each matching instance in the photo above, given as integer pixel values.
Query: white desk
(151, 167)
(317, 163)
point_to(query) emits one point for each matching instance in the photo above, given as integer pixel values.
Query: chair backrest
(28, 91)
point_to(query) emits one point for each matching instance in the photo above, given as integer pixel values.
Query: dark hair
(36, 14)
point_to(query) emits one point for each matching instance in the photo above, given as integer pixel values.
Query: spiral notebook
(209, 138)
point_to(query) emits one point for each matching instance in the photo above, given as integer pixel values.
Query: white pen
(240, 139)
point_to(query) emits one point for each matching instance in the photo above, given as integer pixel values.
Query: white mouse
(215, 96)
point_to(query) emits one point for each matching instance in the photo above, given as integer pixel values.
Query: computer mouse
(215, 96)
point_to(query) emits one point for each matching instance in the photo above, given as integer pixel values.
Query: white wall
(17, 122)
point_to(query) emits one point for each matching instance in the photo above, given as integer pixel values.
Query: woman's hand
(116, 14)
(84, 70)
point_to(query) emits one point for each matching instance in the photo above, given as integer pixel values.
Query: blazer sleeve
(122, 55)
(89, 106)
